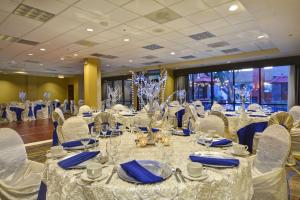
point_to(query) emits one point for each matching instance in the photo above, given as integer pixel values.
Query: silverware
(114, 170)
(180, 174)
(176, 176)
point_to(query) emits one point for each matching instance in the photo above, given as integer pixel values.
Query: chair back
(295, 112)
(58, 116)
(212, 122)
(120, 108)
(255, 107)
(282, 118)
(225, 121)
(273, 148)
(217, 107)
(74, 128)
(104, 117)
(84, 109)
(13, 155)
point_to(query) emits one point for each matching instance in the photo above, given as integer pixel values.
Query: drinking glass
(85, 142)
(112, 146)
(208, 138)
(104, 129)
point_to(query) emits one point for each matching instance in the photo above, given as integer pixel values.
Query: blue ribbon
(246, 134)
(4, 114)
(54, 135)
(179, 114)
(18, 112)
(36, 108)
(30, 113)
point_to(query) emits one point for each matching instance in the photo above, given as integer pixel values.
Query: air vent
(233, 50)
(33, 13)
(188, 57)
(218, 44)
(163, 16)
(32, 61)
(149, 57)
(51, 70)
(28, 42)
(8, 38)
(104, 56)
(202, 36)
(152, 47)
(86, 43)
(153, 63)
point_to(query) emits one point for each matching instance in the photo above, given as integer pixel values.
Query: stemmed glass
(85, 142)
(209, 138)
(112, 146)
(104, 129)
(94, 135)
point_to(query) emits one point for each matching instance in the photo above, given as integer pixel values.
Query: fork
(114, 170)
(175, 174)
(180, 174)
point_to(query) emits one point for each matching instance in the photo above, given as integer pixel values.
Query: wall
(35, 86)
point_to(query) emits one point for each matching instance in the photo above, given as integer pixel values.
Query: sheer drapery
(180, 83)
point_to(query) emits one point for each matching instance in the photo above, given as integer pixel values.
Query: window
(127, 92)
(267, 86)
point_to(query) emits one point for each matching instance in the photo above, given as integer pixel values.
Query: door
(70, 92)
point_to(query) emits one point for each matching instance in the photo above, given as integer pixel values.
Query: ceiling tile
(125, 30)
(163, 16)
(121, 15)
(171, 35)
(223, 9)
(141, 23)
(178, 24)
(168, 2)
(9, 5)
(99, 7)
(158, 30)
(119, 2)
(203, 16)
(79, 15)
(143, 35)
(52, 6)
(213, 3)
(188, 7)
(17, 26)
(191, 30)
(108, 35)
(142, 7)
(219, 23)
(240, 17)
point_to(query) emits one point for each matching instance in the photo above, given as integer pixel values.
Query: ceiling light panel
(233, 50)
(28, 42)
(33, 13)
(188, 57)
(202, 36)
(153, 47)
(218, 44)
(163, 16)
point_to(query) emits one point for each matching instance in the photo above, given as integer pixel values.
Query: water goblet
(85, 142)
(104, 128)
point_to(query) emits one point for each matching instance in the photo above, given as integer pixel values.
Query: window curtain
(180, 83)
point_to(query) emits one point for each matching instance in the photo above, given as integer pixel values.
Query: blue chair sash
(18, 112)
(42, 191)
(54, 135)
(179, 115)
(30, 113)
(246, 134)
(36, 108)
(4, 114)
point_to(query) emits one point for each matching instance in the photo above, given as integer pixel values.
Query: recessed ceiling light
(21, 72)
(61, 76)
(107, 65)
(41, 64)
(13, 62)
(228, 61)
(130, 61)
(233, 7)
(260, 36)
(89, 30)
(42, 49)
(75, 54)
(172, 53)
(126, 40)
(62, 58)
(30, 54)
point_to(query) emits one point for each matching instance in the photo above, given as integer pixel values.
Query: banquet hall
(149, 99)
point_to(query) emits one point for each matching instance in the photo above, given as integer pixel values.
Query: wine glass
(112, 146)
(85, 142)
(208, 138)
(94, 135)
(104, 128)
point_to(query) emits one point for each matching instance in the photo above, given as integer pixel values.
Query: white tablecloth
(223, 184)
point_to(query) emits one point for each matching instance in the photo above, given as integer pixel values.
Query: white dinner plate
(245, 153)
(62, 154)
(200, 178)
(155, 167)
(81, 147)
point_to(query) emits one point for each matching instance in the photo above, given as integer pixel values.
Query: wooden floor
(32, 131)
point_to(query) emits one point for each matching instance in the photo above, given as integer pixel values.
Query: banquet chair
(119, 108)
(217, 107)
(58, 120)
(295, 142)
(10, 115)
(66, 106)
(20, 178)
(212, 122)
(104, 117)
(282, 118)
(80, 103)
(197, 103)
(84, 109)
(227, 133)
(174, 103)
(42, 113)
(268, 165)
(295, 112)
(74, 128)
(25, 113)
(190, 117)
(254, 107)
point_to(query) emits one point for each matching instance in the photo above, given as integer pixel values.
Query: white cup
(194, 169)
(94, 170)
(56, 150)
(239, 149)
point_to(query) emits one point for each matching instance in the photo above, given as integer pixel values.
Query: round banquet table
(224, 184)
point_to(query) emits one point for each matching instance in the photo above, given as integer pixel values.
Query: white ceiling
(115, 20)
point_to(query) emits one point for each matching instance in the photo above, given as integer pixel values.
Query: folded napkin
(186, 132)
(220, 143)
(146, 129)
(76, 143)
(77, 159)
(139, 173)
(118, 125)
(87, 114)
(257, 115)
(230, 115)
(230, 162)
(107, 133)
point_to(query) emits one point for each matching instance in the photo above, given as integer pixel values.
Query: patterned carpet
(38, 153)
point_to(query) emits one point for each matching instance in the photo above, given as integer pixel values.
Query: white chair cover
(174, 103)
(217, 107)
(104, 117)
(60, 114)
(141, 120)
(25, 112)
(268, 171)
(84, 109)
(65, 108)
(256, 107)
(74, 128)
(43, 113)
(197, 103)
(19, 178)
(10, 115)
(120, 108)
(80, 103)
(212, 122)
(295, 112)
(295, 140)
(72, 106)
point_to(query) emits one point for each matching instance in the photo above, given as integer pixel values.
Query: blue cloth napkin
(76, 143)
(220, 143)
(139, 173)
(230, 162)
(257, 116)
(179, 114)
(230, 115)
(107, 133)
(246, 134)
(77, 159)
(146, 129)
(118, 125)
(186, 132)
(18, 112)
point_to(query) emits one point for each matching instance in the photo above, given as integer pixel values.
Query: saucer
(200, 178)
(245, 153)
(62, 154)
(85, 177)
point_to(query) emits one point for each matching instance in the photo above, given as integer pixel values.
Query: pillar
(170, 84)
(91, 75)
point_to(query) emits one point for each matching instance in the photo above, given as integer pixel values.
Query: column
(170, 84)
(91, 75)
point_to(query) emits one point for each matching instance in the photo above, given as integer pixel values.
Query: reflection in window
(123, 85)
(127, 92)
